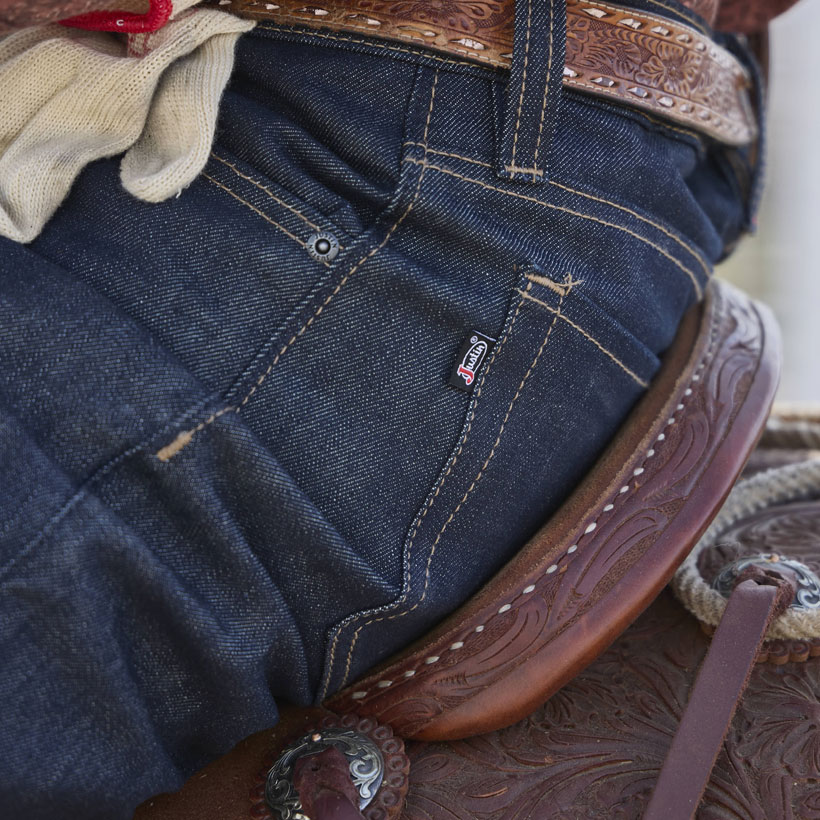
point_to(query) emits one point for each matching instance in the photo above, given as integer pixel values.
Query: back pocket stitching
(569, 284)
(557, 314)
(259, 212)
(270, 194)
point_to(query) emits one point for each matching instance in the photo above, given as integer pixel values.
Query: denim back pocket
(547, 399)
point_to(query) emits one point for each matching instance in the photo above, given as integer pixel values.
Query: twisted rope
(779, 485)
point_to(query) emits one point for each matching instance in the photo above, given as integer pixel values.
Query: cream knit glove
(69, 97)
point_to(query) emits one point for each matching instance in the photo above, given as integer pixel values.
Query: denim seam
(520, 169)
(675, 238)
(523, 86)
(658, 248)
(697, 256)
(577, 546)
(82, 492)
(546, 91)
(184, 438)
(655, 121)
(259, 212)
(374, 44)
(430, 500)
(561, 290)
(457, 156)
(588, 336)
(469, 490)
(267, 191)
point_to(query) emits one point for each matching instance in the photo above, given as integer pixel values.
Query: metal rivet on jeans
(323, 246)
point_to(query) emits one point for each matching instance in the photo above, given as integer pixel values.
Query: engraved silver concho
(808, 584)
(363, 755)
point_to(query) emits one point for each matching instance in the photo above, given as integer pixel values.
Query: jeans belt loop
(533, 90)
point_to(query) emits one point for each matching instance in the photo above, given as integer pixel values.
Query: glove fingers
(53, 119)
(179, 132)
(82, 96)
(85, 115)
(36, 66)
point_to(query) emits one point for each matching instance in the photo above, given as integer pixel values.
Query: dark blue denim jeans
(234, 473)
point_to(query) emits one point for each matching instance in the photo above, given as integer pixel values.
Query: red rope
(156, 17)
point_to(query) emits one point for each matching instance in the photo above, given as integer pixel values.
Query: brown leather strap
(647, 61)
(720, 683)
(326, 791)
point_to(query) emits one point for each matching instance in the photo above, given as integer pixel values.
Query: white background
(781, 263)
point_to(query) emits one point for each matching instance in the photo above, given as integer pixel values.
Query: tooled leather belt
(669, 69)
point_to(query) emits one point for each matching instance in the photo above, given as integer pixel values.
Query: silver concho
(808, 584)
(363, 755)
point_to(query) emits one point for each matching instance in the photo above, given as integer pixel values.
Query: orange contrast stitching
(561, 290)
(257, 211)
(523, 82)
(455, 156)
(557, 314)
(701, 261)
(268, 192)
(518, 169)
(167, 452)
(547, 86)
(658, 248)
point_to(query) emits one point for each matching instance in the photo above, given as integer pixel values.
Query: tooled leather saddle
(538, 699)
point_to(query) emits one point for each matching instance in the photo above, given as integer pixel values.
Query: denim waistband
(670, 68)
